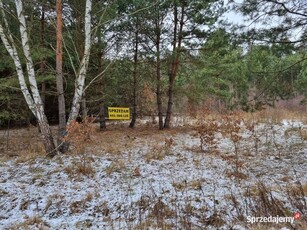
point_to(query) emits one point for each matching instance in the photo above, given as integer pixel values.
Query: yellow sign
(118, 113)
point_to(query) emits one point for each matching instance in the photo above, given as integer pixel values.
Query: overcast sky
(238, 18)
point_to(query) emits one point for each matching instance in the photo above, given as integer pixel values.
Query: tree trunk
(231, 103)
(33, 99)
(158, 72)
(170, 102)
(159, 95)
(47, 137)
(84, 109)
(175, 61)
(135, 75)
(80, 81)
(59, 79)
(42, 65)
(102, 119)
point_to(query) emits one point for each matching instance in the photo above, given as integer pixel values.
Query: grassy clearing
(209, 175)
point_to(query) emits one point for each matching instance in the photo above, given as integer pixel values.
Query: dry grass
(160, 212)
(259, 201)
(303, 133)
(81, 167)
(13, 141)
(159, 152)
(116, 140)
(117, 137)
(269, 115)
(237, 175)
(31, 223)
(80, 206)
(30, 155)
(118, 165)
(54, 202)
(151, 211)
(186, 185)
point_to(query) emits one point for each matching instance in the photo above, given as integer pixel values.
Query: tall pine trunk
(59, 78)
(158, 71)
(159, 94)
(102, 119)
(177, 40)
(135, 75)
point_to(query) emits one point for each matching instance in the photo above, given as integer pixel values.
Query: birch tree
(31, 92)
(80, 81)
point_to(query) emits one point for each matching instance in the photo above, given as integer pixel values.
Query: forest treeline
(157, 57)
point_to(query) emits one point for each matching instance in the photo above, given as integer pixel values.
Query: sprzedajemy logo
(274, 219)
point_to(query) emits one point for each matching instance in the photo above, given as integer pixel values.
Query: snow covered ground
(147, 179)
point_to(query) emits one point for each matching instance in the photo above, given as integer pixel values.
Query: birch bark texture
(31, 95)
(80, 81)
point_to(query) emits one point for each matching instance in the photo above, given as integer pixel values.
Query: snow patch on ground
(184, 177)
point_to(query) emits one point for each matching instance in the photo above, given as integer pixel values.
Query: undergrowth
(79, 136)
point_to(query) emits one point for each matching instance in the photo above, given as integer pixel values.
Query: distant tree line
(156, 57)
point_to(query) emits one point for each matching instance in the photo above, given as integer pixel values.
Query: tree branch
(286, 8)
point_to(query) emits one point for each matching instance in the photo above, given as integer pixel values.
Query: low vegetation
(209, 174)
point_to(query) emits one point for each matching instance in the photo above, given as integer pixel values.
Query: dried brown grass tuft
(34, 222)
(118, 165)
(80, 206)
(159, 152)
(80, 168)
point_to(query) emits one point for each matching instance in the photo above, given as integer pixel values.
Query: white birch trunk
(79, 85)
(39, 108)
(9, 44)
(32, 98)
